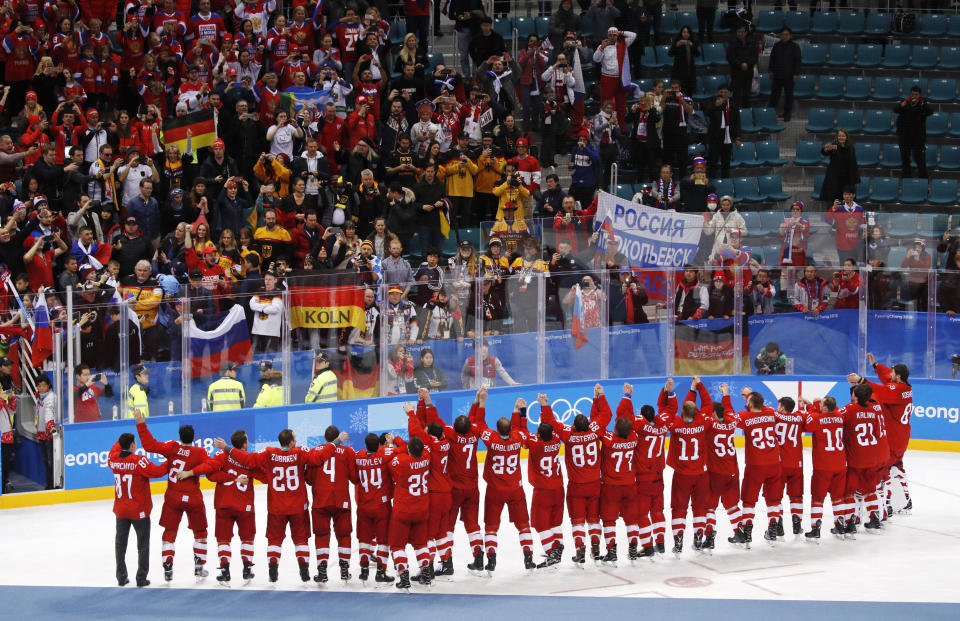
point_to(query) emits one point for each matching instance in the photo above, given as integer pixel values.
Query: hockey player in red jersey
(132, 504)
(181, 496)
(582, 457)
(650, 521)
(896, 394)
(286, 494)
(825, 423)
(373, 489)
(409, 522)
(618, 470)
(723, 470)
(762, 469)
(233, 503)
(862, 427)
(441, 524)
(546, 478)
(501, 472)
(688, 458)
(789, 429)
(331, 503)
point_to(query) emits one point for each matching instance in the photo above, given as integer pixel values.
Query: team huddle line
(412, 493)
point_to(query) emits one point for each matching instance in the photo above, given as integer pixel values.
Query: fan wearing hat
(136, 168)
(524, 269)
(794, 232)
(401, 318)
(218, 167)
(271, 387)
(424, 131)
(918, 260)
(614, 60)
(214, 277)
(226, 393)
(323, 387)
(137, 394)
(513, 198)
(719, 297)
(723, 224)
(724, 132)
(362, 122)
(849, 220)
(696, 188)
(494, 262)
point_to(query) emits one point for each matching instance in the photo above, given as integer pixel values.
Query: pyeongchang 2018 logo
(563, 410)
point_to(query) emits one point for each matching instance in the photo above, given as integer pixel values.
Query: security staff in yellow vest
(226, 393)
(323, 388)
(137, 394)
(271, 392)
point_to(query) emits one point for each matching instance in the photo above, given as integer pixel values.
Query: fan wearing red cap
(794, 232)
(614, 60)
(528, 167)
(719, 297)
(215, 277)
(362, 123)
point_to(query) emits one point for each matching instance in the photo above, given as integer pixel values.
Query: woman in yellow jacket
(512, 195)
(458, 174)
(490, 167)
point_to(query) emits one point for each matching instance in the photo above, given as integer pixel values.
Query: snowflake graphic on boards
(358, 421)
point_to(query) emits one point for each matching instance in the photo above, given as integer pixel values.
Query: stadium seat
(768, 152)
(797, 21)
(625, 191)
(886, 89)
(850, 23)
(868, 55)
(695, 149)
(954, 124)
(934, 24)
(814, 54)
(821, 120)
(942, 90)
(746, 155)
(770, 21)
(863, 188)
(771, 220)
(949, 156)
(504, 27)
(710, 85)
(934, 224)
(937, 124)
(943, 192)
(724, 187)
(586, 25)
(804, 87)
(766, 85)
(841, 55)
(689, 19)
(817, 186)
(543, 27)
(877, 122)
(719, 23)
(931, 158)
(663, 56)
(435, 59)
(752, 220)
(878, 23)
(525, 27)
(808, 153)
(857, 87)
(398, 30)
(890, 157)
(896, 256)
(896, 56)
(830, 87)
(746, 190)
(949, 58)
(902, 225)
(850, 120)
(770, 255)
(868, 154)
(668, 23)
(715, 54)
(649, 58)
(746, 121)
(884, 189)
(771, 186)
(766, 118)
(914, 191)
(824, 22)
(907, 83)
(924, 56)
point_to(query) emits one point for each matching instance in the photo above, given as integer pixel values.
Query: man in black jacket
(724, 132)
(784, 69)
(247, 137)
(467, 14)
(218, 167)
(912, 115)
(742, 58)
(486, 43)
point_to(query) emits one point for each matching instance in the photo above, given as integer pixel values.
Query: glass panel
(947, 326)
(509, 308)
(896, 331)
(638, 328)
(576, 319)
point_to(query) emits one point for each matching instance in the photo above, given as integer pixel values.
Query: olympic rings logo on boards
(563, 414)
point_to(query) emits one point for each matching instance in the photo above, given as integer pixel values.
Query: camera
(445, 72)
(514, 180)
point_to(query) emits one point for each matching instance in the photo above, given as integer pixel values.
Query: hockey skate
(797, 525)
(247, 573)
(814, 535)
(345, 571)
(595, 552)
(873, 526)
(850, 530)
(552, 559)
(698, 542)
(661, 549)
(528, 563)
(709, 543)
(838, 529)
(738, 538)
(321, 577)
(610, 559)
(491, 563)
(426, 575)
(382, 579)
(168, 572)
(580, 557)
(780, 527)
(907, 508)
(677, 545)
(199, 570)
(364, 572)
(770, 535)
(476, 567)
(273, 572)
(632, 555)
(223, 578)
(748, 535)
(404, 582)
(648, 552)
(305, 572)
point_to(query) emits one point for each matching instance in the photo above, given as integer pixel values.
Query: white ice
(915, 558)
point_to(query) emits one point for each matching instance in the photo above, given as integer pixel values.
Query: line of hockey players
(412, 493)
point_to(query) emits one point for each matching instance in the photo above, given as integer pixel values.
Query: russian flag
(608, 234)
(579, 327)
(579, 95)
(228, 341)
(42, 339)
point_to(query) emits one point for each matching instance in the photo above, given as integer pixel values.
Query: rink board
(935, 423)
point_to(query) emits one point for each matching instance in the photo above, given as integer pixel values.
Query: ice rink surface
(914, 559)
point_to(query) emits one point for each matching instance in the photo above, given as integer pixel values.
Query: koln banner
(322, 302)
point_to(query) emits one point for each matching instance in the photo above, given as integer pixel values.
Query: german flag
(331, 301)
(360, 377)
(705, 351)
(201, 123)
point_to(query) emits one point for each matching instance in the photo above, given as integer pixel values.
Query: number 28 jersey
(285, 469)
